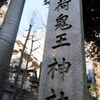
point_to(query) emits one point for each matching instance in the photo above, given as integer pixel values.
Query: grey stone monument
(63, 73)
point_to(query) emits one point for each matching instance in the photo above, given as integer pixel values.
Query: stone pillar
(8, 35)
(63, 73)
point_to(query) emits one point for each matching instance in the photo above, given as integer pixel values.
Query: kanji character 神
(61, 67)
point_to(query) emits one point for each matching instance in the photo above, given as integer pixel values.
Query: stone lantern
(33, 93)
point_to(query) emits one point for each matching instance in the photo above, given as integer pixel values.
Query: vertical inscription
(62, 68)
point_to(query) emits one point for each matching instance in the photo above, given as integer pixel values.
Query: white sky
(41, 12)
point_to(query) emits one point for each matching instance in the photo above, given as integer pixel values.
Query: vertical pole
(8, 35)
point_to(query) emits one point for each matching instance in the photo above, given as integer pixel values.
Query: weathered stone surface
(63, 74)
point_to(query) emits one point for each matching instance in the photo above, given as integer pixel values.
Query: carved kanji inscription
(61, 41)
(61, 22)
(63, 4)
(61, 67)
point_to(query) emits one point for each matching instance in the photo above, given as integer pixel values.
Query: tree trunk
(8, 35)
(20, 62)
(24, 74)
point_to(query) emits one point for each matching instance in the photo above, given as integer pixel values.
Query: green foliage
(92, 91)
(12, 85)
(24, 92)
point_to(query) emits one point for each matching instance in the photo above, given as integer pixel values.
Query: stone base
(8, 93)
